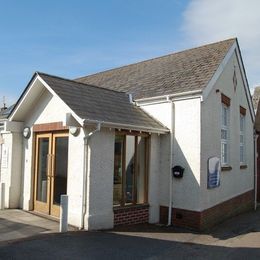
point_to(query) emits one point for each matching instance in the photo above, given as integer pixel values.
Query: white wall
(236, 181)
(154, 178)
(11, 172)
(100, 180)
(186, 151)
(51, 109)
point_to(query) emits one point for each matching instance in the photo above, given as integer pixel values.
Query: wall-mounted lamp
(27, 132)
(74, 130)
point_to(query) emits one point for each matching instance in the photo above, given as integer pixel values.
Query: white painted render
(161, 163)
(186, 150)
(100, 180)
(154, 178)
(51, 109)
(196, 129)
(186, 153)
(236, 181)
(11, 168)
(195, 126)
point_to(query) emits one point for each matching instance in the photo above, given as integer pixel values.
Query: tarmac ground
(26, 236)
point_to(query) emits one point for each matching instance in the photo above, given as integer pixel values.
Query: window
(242, 135)
(130, 169)
(225, 135)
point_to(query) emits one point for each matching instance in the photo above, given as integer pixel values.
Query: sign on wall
(213, 172)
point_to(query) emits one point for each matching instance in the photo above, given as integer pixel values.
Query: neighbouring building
(167, 140)
(256, 97)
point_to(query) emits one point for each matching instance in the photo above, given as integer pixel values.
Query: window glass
(141, 168)
(242, 138)
(118, 169)
(224, 115)
(225, 135)
(130, 168)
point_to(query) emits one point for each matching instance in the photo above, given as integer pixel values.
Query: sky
(76, 38)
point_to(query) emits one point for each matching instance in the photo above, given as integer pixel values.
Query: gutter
(167, 97)
(128, 126)
(86, 174)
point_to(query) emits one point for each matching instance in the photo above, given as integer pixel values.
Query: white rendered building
(111, 140)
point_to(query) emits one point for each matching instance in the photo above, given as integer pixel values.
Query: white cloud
(207, 21)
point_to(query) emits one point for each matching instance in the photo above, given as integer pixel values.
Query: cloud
(207, 21)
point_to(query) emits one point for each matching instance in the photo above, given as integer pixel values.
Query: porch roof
(92, 104)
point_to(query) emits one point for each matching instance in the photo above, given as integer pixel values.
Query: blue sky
(76, 38)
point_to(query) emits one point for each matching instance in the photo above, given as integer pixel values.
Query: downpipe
(85, 170)
(170, 168)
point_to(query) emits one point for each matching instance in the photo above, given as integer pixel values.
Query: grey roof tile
(174, 73)
(95, 103)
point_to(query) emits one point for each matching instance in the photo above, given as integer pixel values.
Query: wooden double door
(51, 163)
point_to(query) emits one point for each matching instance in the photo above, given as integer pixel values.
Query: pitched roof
(174, 73)
(4, 113)
(99, 104)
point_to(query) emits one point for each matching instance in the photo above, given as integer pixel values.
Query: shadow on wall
(186, 190)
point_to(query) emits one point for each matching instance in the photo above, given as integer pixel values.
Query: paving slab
(17, 224)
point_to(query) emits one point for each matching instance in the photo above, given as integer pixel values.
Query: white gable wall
(50, 109)
(236, 181)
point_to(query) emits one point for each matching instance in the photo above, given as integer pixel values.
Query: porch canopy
(88, 104)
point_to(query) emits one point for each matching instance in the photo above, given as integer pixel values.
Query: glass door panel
(51, 172)
(59, 175)
(60, 168)
(42, 173)
(42, 169)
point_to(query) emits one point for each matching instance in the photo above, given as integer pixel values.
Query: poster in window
(213, 172)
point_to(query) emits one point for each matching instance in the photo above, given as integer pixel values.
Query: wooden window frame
(124, 133)
(242, 133)
(225, 100)
(227, 129)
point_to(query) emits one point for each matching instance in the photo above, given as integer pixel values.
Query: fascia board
(234, 49)
(128, 127)
(23, 97)
(218, 72)
(246, 85)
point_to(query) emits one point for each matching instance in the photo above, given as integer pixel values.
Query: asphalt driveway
(237, 238)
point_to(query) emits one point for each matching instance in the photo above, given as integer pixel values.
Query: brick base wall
(131, 215)
(211, 216)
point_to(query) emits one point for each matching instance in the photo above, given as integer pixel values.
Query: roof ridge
(78, 82)
(155, 58)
